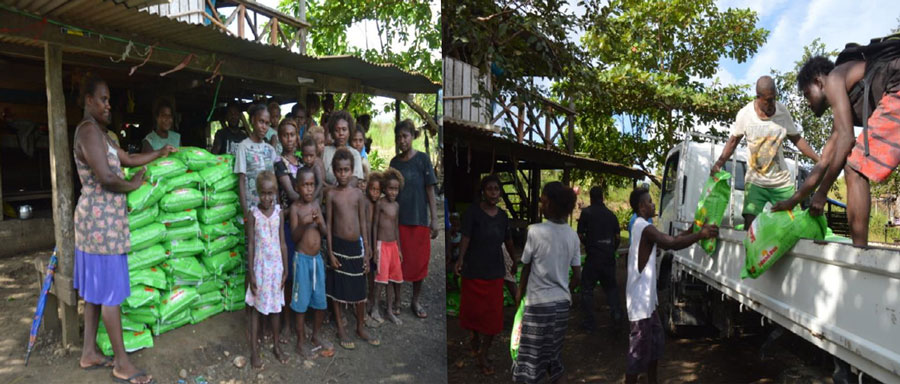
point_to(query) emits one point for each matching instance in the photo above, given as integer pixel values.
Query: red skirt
(481, 306)
(415, 244)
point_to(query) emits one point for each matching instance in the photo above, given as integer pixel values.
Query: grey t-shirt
(417, 174)
(550, 249)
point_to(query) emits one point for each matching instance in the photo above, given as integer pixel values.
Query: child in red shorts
(387, 249)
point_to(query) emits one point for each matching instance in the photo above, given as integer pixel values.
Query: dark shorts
(347, 284)
(645, 344)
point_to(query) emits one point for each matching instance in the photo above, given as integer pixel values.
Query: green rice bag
(453, 303)
(131, 325)
(235, 291)
(195, 158)
(147, 314)
(516, 336)
(226, 158)
(216, 214)
(219, 198)
(772, 234)
(214, 297)
(222, 262)
(140, 219)
(183, 233)
(164, 168)
(227, 183)
(133, 341)
(830, 236)
(186, 269)
(215, 173)
(151, 277)
(178, 219)
(210, 284)
(711, 207)
(146, 195)
(189, 179)
(141, 318)
(235, 305)
(147, 236)
(176, 321)
(205, 312)
(222, 243)
(181, 199)
(128, 172)
(214, 231)
(184, 248)
(175, 301)
(142, 295)
(146, 257)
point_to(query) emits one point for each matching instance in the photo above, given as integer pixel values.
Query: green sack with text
(712, 206)
(145, 196)
(178, 320)
(178, 219)
(219, 198)
(183, 233)
(189, 179)
(146, 257)
(147, 236)
(202, 313)
(133, 340)
(213, 231)
(227, 183)
(195, 158)
(772, 234)
(147, 314)
(142, 295)
(181, 199)
(164, 168)
(515, 337)
(217, 214)
(184, 248)
(222, 262)
(140, 219)
(175, 301)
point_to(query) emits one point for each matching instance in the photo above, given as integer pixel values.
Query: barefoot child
(267, 256)
(286, 172)
(346, 217)
(387, 250)
(551, 249)
(307, 227)
(372, 188)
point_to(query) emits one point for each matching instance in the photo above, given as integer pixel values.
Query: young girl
(254, 155)
(266, 256)
(163, 134)
(551, 249)
(286, 168)
(309, 157)
(358, 142)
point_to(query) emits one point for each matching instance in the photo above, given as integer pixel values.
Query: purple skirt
(101, 279)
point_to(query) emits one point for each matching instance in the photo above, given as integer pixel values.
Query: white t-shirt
(328, 155)
(764, 137)
(640, 288)
(550, 249)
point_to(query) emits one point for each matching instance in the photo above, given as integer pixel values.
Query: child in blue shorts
(307, 227)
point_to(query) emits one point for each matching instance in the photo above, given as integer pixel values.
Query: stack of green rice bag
(186, 261)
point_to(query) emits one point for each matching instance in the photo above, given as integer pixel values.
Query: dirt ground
(412, 353)
(701, 357)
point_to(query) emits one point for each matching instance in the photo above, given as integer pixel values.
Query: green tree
(404, 23)
(649, 60)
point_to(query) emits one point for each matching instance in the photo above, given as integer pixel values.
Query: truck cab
(845, 300)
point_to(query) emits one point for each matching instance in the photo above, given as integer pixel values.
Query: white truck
(844, 300)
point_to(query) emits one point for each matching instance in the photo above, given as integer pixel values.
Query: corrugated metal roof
(485, 138)
(129, 23)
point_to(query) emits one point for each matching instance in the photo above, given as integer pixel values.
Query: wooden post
(242, 12)
(397, 111)
(273, 34)
(302, 30)
(535, 195)
(548, 142)
(63, 194)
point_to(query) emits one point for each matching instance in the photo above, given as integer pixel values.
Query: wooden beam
(273, 31)
(204, 61)
(242, 12)
(61, 176)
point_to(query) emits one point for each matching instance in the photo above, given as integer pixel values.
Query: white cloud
(795, 25)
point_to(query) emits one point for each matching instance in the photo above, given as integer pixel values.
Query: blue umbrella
(42, 301)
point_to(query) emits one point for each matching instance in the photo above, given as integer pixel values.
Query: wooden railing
(536, 121)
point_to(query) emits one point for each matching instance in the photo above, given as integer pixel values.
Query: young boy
(307, 227)
(346, 217)
(372, 188)
(311, 160)
(646, 340)
(551, 249)
(387, 249)
(318, 135)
